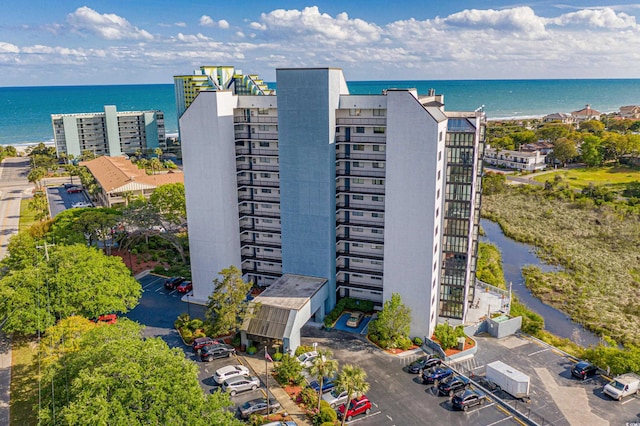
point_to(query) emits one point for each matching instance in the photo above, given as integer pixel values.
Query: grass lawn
(27, 217)
(615, 177)
(24, 383)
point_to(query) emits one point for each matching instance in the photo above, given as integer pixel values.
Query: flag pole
(266, 369)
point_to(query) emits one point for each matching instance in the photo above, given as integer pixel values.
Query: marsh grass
(598, 246)
(614, 177)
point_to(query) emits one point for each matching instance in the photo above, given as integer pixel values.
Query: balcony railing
(354, 221)
(257, 197)
(257, 167)
(255, 119)
(356, 284)
(361, 121)
(350, 205)
(360, 172)
(360, 238)
(259, 271)
(359, 255)
(246, 212)
(271, 229)
(357, 269)
(359, 155)
(250, 152)
(247, 241)
(257, 135)
(258, 182)
(361, 138)
(359, 189)
(259, 257)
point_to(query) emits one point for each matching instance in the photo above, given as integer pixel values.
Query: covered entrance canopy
(283, 308)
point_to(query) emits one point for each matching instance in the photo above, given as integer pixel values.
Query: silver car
(239, 384)
(335, 398)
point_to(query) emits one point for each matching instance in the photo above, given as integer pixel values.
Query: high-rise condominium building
(109, 133)
(376, 194)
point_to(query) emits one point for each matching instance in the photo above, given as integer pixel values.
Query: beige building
(630, 111)
(119, 177)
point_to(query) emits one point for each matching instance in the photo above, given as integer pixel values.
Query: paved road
(13, 186)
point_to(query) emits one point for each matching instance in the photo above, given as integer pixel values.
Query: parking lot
(60, 199)
(400, 398)
(158, 309)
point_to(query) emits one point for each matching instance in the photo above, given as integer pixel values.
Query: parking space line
(537, 352)
(500, 421)
(363, 418)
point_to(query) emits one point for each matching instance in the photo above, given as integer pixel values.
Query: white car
(307, 358)
(81, 204)
(230, 371)
(335, 398)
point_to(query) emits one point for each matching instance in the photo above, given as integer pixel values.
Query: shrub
(288, 370)
(198, 334)
(251, 350)
(195, 324)
(236, 341)
(181, 321)
(303, 349)
(277, 356)
(326, 414)
(448, 336)
(159, 269)
(187, 336)
(308, 397)
(403, 343)
(417, 341)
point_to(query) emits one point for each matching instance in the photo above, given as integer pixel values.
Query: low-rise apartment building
(528, 161)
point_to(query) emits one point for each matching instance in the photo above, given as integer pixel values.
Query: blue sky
(65, 42)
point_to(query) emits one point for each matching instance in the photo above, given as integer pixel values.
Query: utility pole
(46, 249)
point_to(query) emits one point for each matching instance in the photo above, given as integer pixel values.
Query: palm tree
(322, 367)
(352, 380)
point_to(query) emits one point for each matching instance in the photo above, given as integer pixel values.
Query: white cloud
(522, 20)
(8, 48)
(223, 24)
(108, 26)
(192, 38)
(605, 18)
(206, 21)
(180, 24)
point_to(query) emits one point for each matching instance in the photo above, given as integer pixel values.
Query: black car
(453, 385)
(173, 282)
(211, 352)
(258, 406)
(423, 363)
(436, 375)
(467, 399)
(583, 370)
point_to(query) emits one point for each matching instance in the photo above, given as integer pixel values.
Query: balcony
(350, 205)
(360, 238)
(258, 227)
(361, 138)
(248, 212)
(360, 222)
(360, 172)
(256, 135)
(359, 255)
(357, 269)
(256, 197)
(259, 183)
(361, 121)
(257, 167)
(262, 257)
(360, 189)
(259, 271)
(361, 155)
(350, 283)
(269, 119)
(248, 241)
(251, 152)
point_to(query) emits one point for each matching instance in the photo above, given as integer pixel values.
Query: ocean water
(25, 112)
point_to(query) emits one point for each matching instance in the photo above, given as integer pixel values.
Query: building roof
(118, 174)
(586, 111)
(290, 291)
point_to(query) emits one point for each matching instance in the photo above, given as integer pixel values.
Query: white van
(621, 386)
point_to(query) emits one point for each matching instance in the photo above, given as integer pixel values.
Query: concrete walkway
(257, 364)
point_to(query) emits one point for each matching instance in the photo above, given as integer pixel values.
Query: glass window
(355, 111)
(378, 130)
(359, 129)
(379, 112)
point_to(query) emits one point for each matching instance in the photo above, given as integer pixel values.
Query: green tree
(170, 201)
(591, 151)
(393, 323)
(36, 175)
(553, 131)
(288, 370)
(40, 206)
(448, 335)
(23, 252)
(323, 366)
(87, 155)
(115, 376)
(98, 225)
(353, 380)
(76, 280)
(493, 183)
(592, 126)
(228, 305)
(564, 150)
(523, 137)
(155, 164)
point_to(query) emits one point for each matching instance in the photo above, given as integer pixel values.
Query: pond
(515, 255)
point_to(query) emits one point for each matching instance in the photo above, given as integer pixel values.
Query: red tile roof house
(586, 114)
(118, 176)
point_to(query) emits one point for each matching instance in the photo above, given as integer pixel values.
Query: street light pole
(188, 306)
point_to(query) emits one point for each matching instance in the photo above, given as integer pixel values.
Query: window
(357, 164)
(357, 180)
(378, 148)
(356, 260)
(357, 229)
(377, 215)
(378, 130)
(378, 112)
(265, 175)
(357, 197)
(265, 191)
(357, 213)
(439, 155)
(439, 173)
(376, 198)
(263, 127)
(357, 245)
(265, 206)
(377, 231)
(264, 144)
(263, 111)
(377, 181)
(358, 147)
(438, 195)
(376, 262)
(359, 129)
(378, 165)
(355, 111)
(266, 221)
(265, 160)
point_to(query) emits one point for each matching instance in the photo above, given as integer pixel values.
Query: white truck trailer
(510, 380)
(621, 386)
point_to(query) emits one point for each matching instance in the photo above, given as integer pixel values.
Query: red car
(184, 287)
(106, 319)
(74, 190)
(356, 406)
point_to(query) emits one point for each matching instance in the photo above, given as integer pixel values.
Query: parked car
(425, 362)
(467, 399)
(436, 375)
(453, 385)
(327, 385)
(258, 406)
(583, 370)
(184, 287)
(229, 371)
(211, 352)
(623, 385)
(81, 204)
(355, 319)
(106, 319)
(307, 358)
(201, 342)
(335, 398)
(74, 190)
(355, 407)
(235, 385)
(173, 282)
(282, 423)
(70, 185)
